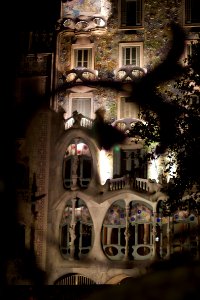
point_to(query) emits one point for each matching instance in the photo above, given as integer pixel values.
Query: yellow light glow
(105, 166)
(153, 170)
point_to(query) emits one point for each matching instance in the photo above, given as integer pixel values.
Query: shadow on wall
(177, 279)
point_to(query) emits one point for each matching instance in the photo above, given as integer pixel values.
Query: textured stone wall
(38, 139)
(155, 35)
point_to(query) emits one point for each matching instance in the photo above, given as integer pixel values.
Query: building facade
(93, 215)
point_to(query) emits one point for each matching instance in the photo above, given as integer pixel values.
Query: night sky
(36, 14)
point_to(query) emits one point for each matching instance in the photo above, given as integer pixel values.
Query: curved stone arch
(74, 279)
(117, 279)
(57, 162)
(131, 196)
(75, 233)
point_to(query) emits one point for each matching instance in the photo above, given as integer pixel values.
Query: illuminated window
(82, 103)
(131, 13)
(131, 54)
(114, 225)
(76, 233)
(192, 8)
(127, 233)
(77, 165)
(82, 57)
(132, 162)
(127, 108)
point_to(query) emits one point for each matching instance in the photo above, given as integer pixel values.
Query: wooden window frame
(122, 46)
(77, 47)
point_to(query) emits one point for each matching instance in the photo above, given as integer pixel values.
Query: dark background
(16, 16)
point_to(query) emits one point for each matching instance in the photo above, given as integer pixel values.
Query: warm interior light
(105, 166)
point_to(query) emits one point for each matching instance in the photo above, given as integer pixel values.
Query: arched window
(127, 231)
(140, 231)
(113, 231)
(77, 165)
(76, 232)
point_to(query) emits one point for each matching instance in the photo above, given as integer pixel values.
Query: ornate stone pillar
(126, 233)
(75, 162)
(72, 229)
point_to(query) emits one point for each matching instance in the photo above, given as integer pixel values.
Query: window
(131, 13)
(82, 57)
(134, 162)
(76, 230)
(189, 48)
(192, 8)
(131, 54)
(128, 232)
(127, 109)
(82, 103)
(185, 231)
(77, 165)
(130, 61)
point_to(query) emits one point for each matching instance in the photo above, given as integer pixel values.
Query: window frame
(187, 10)
(81, 96)
(131, 45)
(83, 182)
(108, 243)
(76, 47)
(119, 116)
(75, 247)
(122, 24)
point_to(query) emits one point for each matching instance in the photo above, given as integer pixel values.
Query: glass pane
(64, 236)
(131, 13)
(116, 214)
(86, 235)
(139, 212)
(82, 105)
(133, 56)
(83, 58)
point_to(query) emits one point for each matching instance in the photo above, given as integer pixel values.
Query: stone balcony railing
(79, 75)
(129, 72)
(78, 120)
(82, 74)
(139, 184)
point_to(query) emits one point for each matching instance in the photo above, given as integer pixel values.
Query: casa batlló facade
(92, 215)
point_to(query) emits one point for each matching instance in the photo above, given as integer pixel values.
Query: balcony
(83, 24)
(79, 75)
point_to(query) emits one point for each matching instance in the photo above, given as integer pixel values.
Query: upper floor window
(192, 8)
(127, 109)
(82, 103)
(131, 13)
(77, 165)
(82, 57)
(131, 54)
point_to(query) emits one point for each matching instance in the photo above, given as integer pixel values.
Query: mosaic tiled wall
(155, 35)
